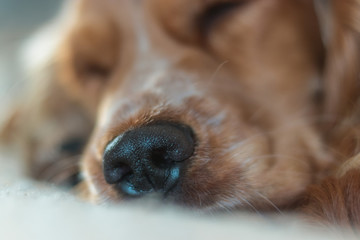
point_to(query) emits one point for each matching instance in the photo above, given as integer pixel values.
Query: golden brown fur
(336, 199)
(273, 105)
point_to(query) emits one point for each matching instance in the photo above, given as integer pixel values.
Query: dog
(213, 105)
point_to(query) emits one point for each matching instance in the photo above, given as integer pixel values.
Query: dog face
(209, 103)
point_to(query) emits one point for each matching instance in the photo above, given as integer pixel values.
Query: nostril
(117, 172)
(160, 158)
(148, 158)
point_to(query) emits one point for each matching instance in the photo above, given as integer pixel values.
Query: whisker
(221, 65)
(66, 167)
(222, 206)
(270, 202)
(251, 206)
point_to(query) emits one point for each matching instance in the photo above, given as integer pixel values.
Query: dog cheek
(210, 178)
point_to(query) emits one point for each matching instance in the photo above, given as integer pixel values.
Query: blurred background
(18, 20)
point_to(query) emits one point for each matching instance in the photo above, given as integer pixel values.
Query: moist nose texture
(149, 158)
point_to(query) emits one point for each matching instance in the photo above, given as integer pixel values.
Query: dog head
(209, 103)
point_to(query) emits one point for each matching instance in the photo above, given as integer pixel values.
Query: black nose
(148, 158)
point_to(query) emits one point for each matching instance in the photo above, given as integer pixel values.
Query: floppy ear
(88, 53)
(335, 200)
(48, 122)
(342, 70)
(36, 60)
(340, 20)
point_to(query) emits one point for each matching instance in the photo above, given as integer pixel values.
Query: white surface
(30, 210)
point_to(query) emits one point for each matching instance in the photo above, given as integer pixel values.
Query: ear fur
(341, 24)
(335, 201)
(47, 106)
(342, 72)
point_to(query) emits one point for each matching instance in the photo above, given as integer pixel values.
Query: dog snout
(148, 158)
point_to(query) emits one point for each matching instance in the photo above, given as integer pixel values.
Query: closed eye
(215, 12)
(72, 146)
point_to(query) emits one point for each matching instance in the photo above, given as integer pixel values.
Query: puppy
(211, 104)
